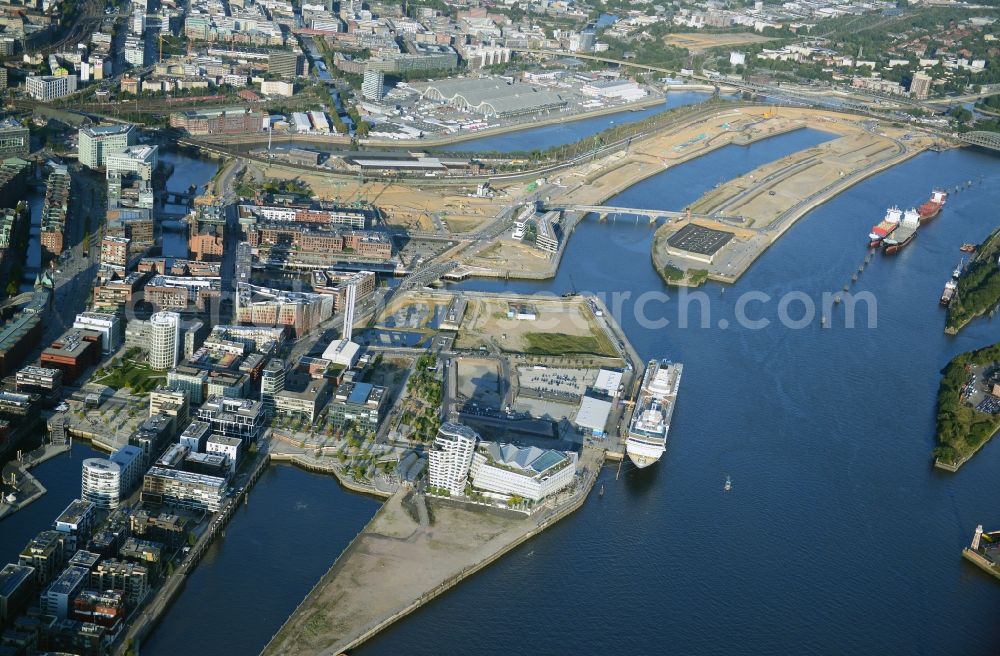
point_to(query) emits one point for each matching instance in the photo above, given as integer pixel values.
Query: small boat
(948, 294)
(729, 484)
(601, 493)
(968, 248)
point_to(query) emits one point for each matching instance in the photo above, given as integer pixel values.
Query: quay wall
(320, 468)
(980, 562)
(564, 511)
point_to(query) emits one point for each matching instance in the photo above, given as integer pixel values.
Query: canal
(187, 171)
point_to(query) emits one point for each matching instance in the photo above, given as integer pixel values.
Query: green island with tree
(961, 428)
(978, 287)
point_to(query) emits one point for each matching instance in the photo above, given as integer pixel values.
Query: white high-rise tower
(352, 292)
(165, 340)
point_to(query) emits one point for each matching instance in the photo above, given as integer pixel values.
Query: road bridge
(179, 197)
(653, 215)
(982, 139)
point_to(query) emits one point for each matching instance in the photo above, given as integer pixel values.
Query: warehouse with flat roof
(493, 96)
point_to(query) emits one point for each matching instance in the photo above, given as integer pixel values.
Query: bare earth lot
(706, 41)
(479, 381)
(562, 327)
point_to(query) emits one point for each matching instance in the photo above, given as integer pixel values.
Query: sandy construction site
(393, 562)
(767, 201)
(408, 206)
(697, 42)
(764, 194)
(772, 197)
(547, 327)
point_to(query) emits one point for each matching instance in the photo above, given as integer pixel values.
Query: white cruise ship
(647, 434)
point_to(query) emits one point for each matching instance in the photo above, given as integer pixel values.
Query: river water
(838, 536)
(564, 133)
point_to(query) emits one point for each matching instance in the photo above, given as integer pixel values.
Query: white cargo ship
(647, 434)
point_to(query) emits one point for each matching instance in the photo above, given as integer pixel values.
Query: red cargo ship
(886, 227)
(932, 208)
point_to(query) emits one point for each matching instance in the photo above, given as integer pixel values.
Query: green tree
(961, 114)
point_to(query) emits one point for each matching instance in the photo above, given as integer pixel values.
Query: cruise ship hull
(643, 455)
(654, 408)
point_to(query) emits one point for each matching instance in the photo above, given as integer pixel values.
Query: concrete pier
(984, 552)
(29, 489)
(402, 560)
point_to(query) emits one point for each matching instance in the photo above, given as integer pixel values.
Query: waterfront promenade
(403, 559)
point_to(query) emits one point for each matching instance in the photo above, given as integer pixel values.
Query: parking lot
(989, 405)
(559, 380)
(698, 239)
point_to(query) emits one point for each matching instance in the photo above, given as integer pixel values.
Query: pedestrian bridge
(981, 138)
(605, 211)
(20, 299)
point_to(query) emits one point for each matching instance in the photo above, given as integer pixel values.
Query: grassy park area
(129, 372)
(556, 344)
(423, 397)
